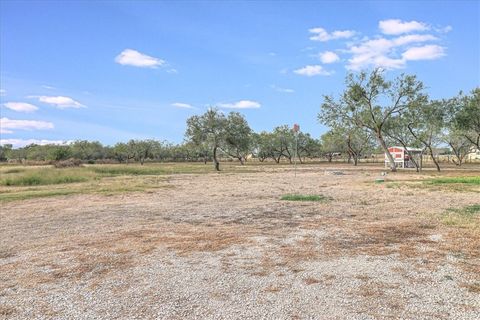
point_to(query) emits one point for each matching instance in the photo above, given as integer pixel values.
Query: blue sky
(112, 71)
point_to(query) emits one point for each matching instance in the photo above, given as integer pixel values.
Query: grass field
(183, 241)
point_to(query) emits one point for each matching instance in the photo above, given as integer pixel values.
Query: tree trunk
(433, 158)
(299, 158)
(355, 160)
(215, 160)
(242, 162)
(385, 149)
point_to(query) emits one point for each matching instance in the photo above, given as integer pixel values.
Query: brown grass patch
(6, 310)
(472, 287)
(311, 280)
(272, 289)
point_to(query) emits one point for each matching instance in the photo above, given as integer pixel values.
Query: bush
(68, 163)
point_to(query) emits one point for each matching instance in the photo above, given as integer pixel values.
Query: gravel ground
(224, 246)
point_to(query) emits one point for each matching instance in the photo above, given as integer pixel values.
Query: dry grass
(102, 232)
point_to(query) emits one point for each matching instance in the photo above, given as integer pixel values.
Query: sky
(118, 70)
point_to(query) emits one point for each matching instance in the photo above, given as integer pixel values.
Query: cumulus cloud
(20, 106)
(312, 70)
(18, 143)
(182, 105)
(8, 125)
(397, 26)
(320, 34)
(242, 104)
(427, 52)
(130, 57)
(328, 57)
(59, 101)
(279, 89)
(382, 52)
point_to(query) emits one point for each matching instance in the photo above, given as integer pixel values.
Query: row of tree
(371, 114)
(209, 137)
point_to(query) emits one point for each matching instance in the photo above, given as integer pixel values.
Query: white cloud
(129, 57)
(182, 105)
(328, 57)
(18, 143)
(382, 52)
(446, 29)
(242, 104)
(427, 52)
(311, 71)
(397, 26)
(59, 101)
(8, 125)
(320, 34)
(20, 106)
(48, 87)
(279, 89)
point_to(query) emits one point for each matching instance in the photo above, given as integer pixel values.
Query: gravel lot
(224, 246)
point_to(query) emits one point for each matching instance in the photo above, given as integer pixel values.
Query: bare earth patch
(225, 246)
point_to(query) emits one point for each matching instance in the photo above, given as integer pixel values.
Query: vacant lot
(254, 242)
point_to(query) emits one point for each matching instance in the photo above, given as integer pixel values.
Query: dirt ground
(224, 246)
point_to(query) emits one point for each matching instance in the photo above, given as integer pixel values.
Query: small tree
(467, 116)
(370, 101)
(238, 137)
(332, 142)
(426, 125)
(209, 130)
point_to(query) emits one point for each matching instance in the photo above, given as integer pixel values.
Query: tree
(87, 150)
(283, 140)
(209, 130)
(307, 146)
(263, 145)
(358, 141)
(370, 101)
(142, 149)
(5, 152)
(398, 131)
(467, 116)
(238, 137)
(332, 142)
(459, 144)
(426, 124)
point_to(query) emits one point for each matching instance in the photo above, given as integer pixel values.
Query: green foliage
(304, 197)
(370, 102)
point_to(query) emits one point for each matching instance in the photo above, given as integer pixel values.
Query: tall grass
(44, 176)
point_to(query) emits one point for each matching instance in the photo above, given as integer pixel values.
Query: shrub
(68, 163)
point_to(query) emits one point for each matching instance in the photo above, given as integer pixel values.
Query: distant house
(402, 158)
